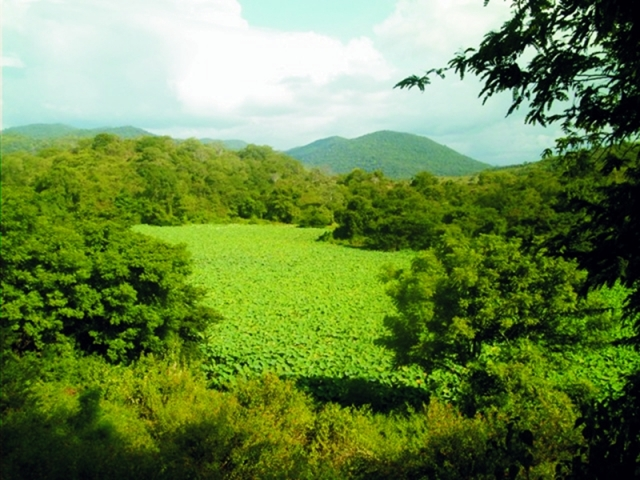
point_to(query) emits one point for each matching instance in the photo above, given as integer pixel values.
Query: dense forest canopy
(78, 280)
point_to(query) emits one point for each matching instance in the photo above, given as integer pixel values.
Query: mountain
(48, 131)
(397, 155)
(228, 144)
(41, 135)
(37, 136)
(123, 132)
(41, 131)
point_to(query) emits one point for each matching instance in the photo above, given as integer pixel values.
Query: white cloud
(197, 67)
(424, 34)
(219, 67)
(212, 60)
(436, 29)
(11, 61)
(222, 13)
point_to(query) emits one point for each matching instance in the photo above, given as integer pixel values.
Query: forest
(175, 309)
(482, 359)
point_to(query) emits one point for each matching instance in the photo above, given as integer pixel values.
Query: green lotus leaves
(292, 305)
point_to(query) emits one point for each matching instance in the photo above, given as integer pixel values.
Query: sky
(282, 73)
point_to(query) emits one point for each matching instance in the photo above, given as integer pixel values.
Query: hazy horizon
(277, 72)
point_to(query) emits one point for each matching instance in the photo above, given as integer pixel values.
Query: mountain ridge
(42, 131)
(396, 154)
(47, 132)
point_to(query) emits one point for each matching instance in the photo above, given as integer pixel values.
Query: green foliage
(497, 322)
(398, 155)
(316, 217)
(602, 190)
(299, 308)
(496, 327)
(96, 286)
(41, 131)
(579, 56)
(466, 295)
(159, 181)
(612, 431)
(386, 215)
(156, 418)
(576, 62)
(38, 137)
(227, 144)
(381, 214)
(500, 330)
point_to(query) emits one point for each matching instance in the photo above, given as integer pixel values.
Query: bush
(95, 286)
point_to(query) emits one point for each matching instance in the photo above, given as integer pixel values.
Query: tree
(577, 62)
(581, 54)
(467, 295)
(494, 326)
(497, 330)
(97, 287)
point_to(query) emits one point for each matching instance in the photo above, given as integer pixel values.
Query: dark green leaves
(420, 82)
(98, 287)
(466, 295)
(574, 62)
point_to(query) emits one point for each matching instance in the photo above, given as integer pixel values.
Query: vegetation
(397, 155)
(254, 351)
(228, 144)
(32, 138)
(156, 419)
(576, 63)
(382, 214)
(89, 303)
(155, 180)
(42, 131)
(96, 287)
(37, 136)
(305, 310)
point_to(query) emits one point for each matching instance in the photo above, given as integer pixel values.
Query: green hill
(42, 135)
(123, 132)
(48, 131)
(36, 136)
(41, 131)
(228, 144)
(397, 155)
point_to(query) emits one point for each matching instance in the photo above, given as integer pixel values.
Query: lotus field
(302, 309)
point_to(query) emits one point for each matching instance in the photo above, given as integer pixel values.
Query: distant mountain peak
(396, 154)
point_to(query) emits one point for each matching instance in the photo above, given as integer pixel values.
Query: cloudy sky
(277, 72)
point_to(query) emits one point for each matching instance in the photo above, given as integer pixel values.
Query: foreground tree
(577, 62)
(471, 304)
(466, 295)
(585, 61)
(497, 328)
(96, 287)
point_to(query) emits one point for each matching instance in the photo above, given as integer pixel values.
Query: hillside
(398, 155)
(37, 136)
(43, 135)
(228, 144)
(42, 131)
